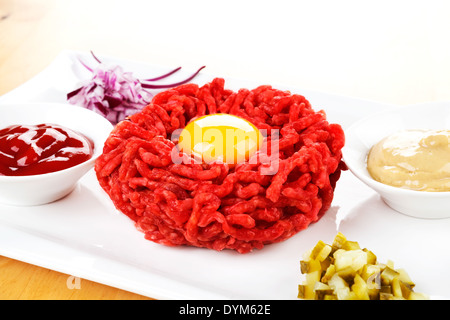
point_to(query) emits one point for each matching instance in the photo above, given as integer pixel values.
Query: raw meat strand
(206, 96)
(185, 171)
(202, 202)
(248, 191)
(114, 160)
(227, 104)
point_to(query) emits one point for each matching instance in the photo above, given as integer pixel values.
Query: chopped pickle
(339, 241)
(390, 264)
(396, 288)
(348, 273)
(371, 273)
(344, 271)
(301, 291)
(321, 289)
(309, 266)
(388, 275)
(320, 252)
(304, 266)
(406, 289)
(359, 287)
(329, 272)
(404, 277)
(350, 245)
(386, 289)
(320, 286)
(355, 259)
(340, 287)
(308, 292)
(385, 296)
(371, 257)
(326, 263)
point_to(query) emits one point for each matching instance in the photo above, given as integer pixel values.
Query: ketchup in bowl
(37, 149)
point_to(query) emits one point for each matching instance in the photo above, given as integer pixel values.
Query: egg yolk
(220, 137)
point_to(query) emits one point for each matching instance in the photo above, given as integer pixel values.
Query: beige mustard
(412, 159)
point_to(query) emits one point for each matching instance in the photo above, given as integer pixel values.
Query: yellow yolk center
(220, 137)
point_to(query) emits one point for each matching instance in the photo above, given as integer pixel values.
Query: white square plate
(84, 235)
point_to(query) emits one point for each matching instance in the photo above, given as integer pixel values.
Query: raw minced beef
(214, 205)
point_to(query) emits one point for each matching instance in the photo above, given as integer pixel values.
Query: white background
(388, 51)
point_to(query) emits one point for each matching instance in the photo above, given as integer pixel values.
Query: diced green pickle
(406, 289)
(385, 296)
(321, 251)
(370, 273)
(351, 245)
(304, 266)
(301, 291)
(359, 287)
(339, 241)
(316, 250)
(371, 257)
(404, 277)
(386, 289)
(331, 270)
(347, 274)
(396, 288)
(321, 289)
(344, 271)
(309, 266)
(388, 275)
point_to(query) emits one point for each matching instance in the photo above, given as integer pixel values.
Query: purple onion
(116, 94)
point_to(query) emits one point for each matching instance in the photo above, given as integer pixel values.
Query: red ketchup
(36, 149)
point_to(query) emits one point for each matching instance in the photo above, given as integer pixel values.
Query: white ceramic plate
(83, 235)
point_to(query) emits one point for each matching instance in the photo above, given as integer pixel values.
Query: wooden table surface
(389, 51)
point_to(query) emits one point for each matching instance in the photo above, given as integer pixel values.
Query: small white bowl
(49, 187)
(363, 134)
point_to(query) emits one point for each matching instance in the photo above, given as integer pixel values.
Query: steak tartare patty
(214, 205)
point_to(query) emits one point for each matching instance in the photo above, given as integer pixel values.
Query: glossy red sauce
(36, 149)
